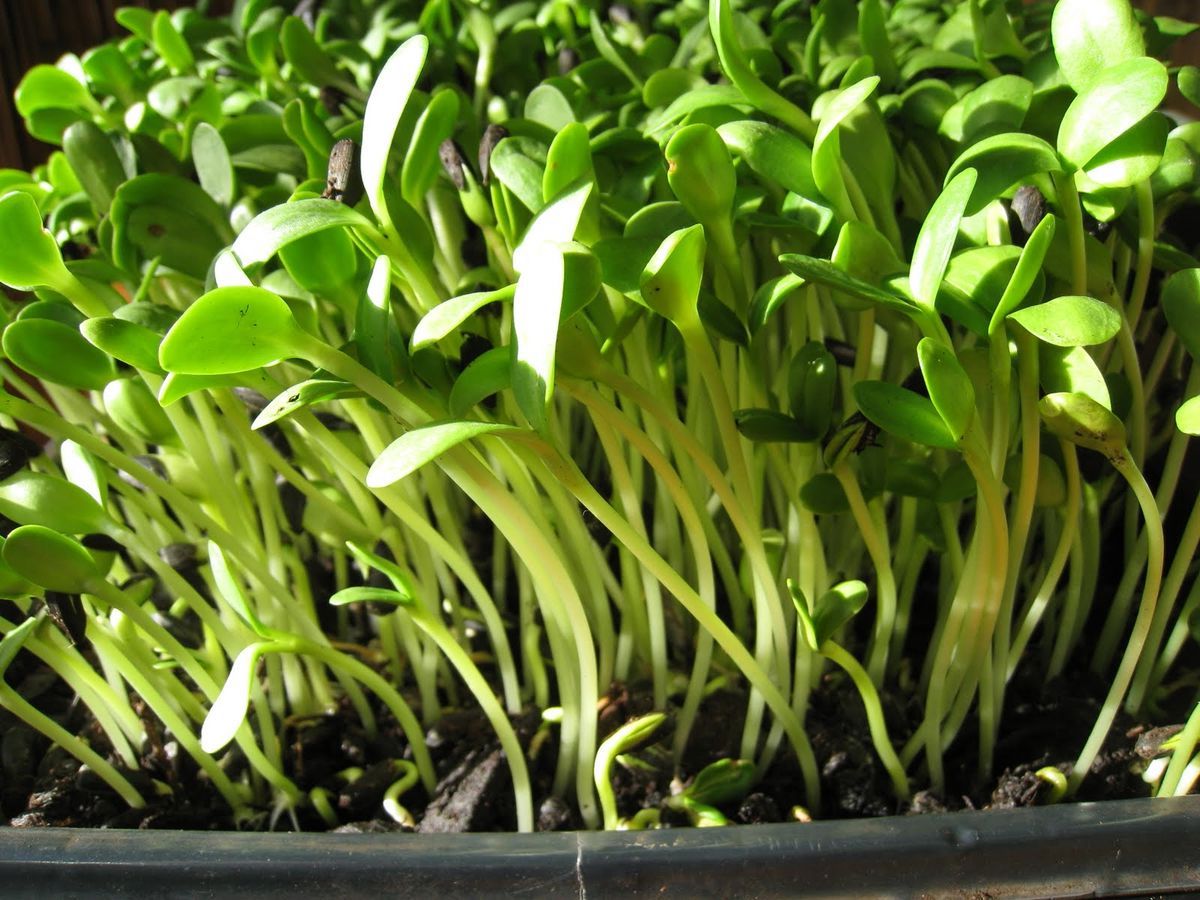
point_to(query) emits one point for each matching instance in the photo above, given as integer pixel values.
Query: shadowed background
(39, 31)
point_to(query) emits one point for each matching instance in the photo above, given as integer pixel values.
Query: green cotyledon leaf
(1070, 321)
(280, 225)
(34, 498)
(537, 311)
(1091, 36)
(903, 413)
(485, 376)
(1181, 305)
(228, 711)
(230, 330)
(1187, 417)
(49, 559)
(57, 353)
(1001, 162)
(822, 271)
(1117, 99)
(420, 446)
(39, 263)
(1071, 370)
(949, 386)
(935, 242)
(386, 105)
(1081, 420)
(448, 315)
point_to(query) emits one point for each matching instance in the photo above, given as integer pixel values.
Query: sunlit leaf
(230, 591)
(1081, 420)
(415, 448)
(935, 242)
(1090, 36)
(299, 396)
(39, 262)
(1070, 321)
(33, 498)
(1072, 370)
(537, 310)
(228, 712)
(448, 315)
(277, 227)
(950, 388)
(556, 223)
(49, 559)
(385, 106)
(1117, 99)
(229, 330)
(1001, 162)
(1187, 417)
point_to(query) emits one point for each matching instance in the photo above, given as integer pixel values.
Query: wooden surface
(39, 31)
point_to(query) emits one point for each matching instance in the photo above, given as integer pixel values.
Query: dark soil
(1043, 725)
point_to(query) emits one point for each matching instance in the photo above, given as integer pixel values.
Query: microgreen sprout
(491, 358)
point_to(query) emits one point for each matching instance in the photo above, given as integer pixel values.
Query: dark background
(40, 31)
(35, 31)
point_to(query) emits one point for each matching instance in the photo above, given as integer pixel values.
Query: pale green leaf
(422, 445)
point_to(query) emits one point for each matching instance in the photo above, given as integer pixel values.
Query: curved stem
(875, 719)
(885, 580)
(1141, 626)
(693, 528)
(1181, 562)
(706, 618)
(1068, 201)
(1062, 550)
(1185, 746)
(482, 692)
(771, 635)
(396, 704)
(1145, 252)
(43, 724)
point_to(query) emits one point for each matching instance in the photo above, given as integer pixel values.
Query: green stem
(371, 679)
(706, 618)
(1185, 746)
(651, 596)
(1181, 563)
(1070, 612)
(38, 721)
(721, 23)
(1141, 626)
(693, 528)
(1068, 201)
(877, 547)
(1062, 550)
(102, 590)
(482, 691)
(875, 718)
(51, 424)
(147, 689)
(82, 298)
(1145, 252)
(771, 633)
(112, 710)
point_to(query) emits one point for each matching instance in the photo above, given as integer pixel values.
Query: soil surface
(1043, 725)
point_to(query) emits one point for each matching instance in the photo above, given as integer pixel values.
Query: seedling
(467, 380)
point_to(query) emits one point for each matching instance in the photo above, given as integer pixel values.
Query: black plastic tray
(1123, 848)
